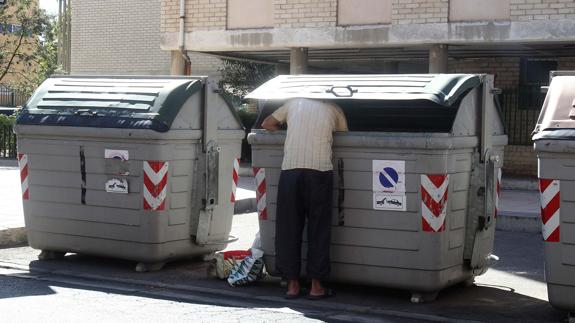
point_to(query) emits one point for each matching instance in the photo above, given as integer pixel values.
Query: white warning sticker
(389, 185)
(117, 154)
(117, 185)
(385, 201)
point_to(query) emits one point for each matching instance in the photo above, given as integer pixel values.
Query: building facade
(123, 37)
(518, 41)
(117, 37)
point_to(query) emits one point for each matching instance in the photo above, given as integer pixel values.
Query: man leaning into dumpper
(305, 190)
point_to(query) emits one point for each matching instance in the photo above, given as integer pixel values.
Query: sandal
(328, 292)
(302, 292)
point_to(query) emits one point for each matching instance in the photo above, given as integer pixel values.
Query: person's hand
(270, 123)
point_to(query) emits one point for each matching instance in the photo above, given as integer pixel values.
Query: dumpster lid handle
(342, 91)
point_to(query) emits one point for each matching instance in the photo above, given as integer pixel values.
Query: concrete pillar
(178, 66)
(438, 59)
(298, 61)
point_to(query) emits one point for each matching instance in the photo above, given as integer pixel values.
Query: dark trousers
(304, 193)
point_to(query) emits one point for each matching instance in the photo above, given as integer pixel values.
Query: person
(305, 190)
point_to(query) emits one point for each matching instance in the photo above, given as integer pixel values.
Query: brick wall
(200, 15)
(419, 11)
(542, 9)
(203, 64)
(506, 70)
(305, 13)
(520, 160)
(211, 14)
(117, 37)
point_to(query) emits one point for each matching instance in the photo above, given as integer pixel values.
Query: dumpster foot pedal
(423, 297)
(51, 255)
(142, 267)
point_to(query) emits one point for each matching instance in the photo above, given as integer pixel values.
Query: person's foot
(317, 288)
(293, 289)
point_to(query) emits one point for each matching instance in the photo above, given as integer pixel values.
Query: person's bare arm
(270, 123)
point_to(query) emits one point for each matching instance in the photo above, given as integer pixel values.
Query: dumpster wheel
(417, 297)
(51, 255)
(143, 267)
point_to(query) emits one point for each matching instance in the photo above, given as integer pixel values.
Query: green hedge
(7, 136)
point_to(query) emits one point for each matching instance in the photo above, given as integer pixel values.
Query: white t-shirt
(311, 124)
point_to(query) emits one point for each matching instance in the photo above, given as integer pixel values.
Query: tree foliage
(241, 77)
(28, 49)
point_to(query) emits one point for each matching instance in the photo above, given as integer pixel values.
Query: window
(10, 28)
(244, 14)
(363, 12)
(474, 10)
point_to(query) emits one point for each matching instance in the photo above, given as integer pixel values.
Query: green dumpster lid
(116, 102)
(443, 89)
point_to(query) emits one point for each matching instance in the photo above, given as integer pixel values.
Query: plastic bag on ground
(250, 269)
(223, 262)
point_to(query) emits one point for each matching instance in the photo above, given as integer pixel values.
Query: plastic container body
(399, 244)
(128, 193)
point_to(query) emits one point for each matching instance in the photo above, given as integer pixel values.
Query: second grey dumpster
(134, 168)
(554, 141)
(415, 178)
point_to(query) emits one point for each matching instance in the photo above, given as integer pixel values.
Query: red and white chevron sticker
(260, 175)
(235, 177)
(434, 189)
(155, 185)
(23, 164)
(497, 192)
(550, 209)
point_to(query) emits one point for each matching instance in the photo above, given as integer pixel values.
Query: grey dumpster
(554, 141)
(415, 178)
(128, 167)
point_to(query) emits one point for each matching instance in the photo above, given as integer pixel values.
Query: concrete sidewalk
(519, 203)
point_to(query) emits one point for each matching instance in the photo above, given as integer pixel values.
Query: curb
(13, 237)
(246, 171)
(248, 205)
(520, 183)
(220, 296)
(518, 222)
(5, 162)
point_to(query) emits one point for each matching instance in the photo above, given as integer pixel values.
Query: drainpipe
(181, 41)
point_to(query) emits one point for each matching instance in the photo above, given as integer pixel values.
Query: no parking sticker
(389, 185)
